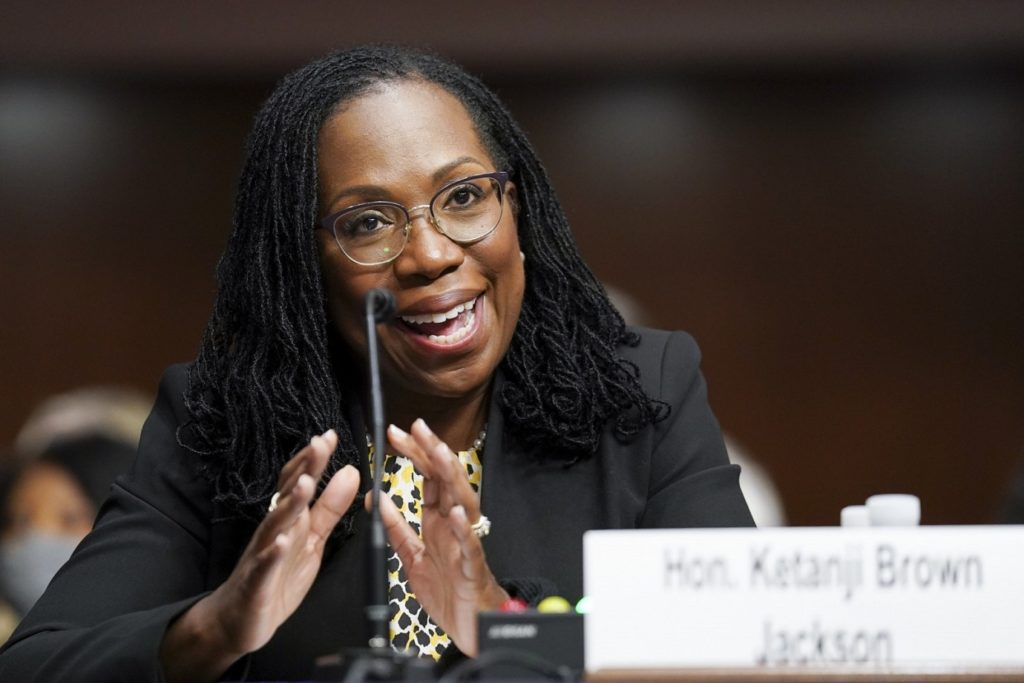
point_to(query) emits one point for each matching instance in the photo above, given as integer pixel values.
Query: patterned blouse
(411, 629)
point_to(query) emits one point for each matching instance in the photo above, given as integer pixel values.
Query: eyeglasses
(464, 211)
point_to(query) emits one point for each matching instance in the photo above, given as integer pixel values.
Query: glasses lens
(371, 233)
(469, 209)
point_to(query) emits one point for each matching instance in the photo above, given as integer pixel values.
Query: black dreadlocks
(264, 381)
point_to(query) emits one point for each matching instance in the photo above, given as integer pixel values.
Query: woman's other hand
(273, 574)
(446, 568)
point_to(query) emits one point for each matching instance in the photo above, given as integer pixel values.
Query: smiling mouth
(447, 327)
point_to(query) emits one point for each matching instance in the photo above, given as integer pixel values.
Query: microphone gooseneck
(378, 662)
(380, 306)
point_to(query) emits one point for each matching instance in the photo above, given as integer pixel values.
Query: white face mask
(28, 562)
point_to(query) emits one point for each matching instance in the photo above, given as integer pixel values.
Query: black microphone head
(380, 303)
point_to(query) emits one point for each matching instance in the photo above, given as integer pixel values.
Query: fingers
(415, 446)
(472, 564)
(442, 460)
(446, 482)
(401, 537)
(409, 446)
(310, 460)
(296, 488)
(335, 500)
(267, 561)
(291, 505)
(292, 469)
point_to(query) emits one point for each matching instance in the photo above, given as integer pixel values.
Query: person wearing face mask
(9, 614)
(45, 515)
(48, 506)
(524, 410)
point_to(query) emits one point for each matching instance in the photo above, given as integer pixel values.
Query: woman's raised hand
(273, 574)
(446, 568)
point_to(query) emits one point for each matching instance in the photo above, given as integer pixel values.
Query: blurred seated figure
(8, 615)
(103, 411)
(45, 513)
(762, 496)
(70, 451)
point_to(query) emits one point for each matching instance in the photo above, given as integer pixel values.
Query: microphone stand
(380, 305)
(377, 662)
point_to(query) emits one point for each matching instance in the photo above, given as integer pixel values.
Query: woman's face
(402, 142)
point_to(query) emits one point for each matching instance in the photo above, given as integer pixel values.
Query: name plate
(820, 597)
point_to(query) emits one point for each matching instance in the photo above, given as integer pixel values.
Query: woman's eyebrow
(371, 191)
(377, 192)
(441, 173)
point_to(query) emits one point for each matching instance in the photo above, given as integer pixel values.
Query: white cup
(854, 515)
(894, 509)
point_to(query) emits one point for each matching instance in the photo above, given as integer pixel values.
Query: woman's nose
(428, 253)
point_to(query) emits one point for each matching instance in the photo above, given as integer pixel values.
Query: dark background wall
(829, 196)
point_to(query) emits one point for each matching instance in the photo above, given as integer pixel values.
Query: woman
(47, 506)
(234, 544)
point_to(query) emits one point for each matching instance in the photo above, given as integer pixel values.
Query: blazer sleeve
(692, 483)
(104, 615)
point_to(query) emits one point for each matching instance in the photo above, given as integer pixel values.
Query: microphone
(379, 306)
(380, 303)
(378, 662)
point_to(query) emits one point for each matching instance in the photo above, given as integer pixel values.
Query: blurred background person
(68, 453)
(758, 488)
(762, 495)
(116, 413)
(46, 512)
(9, 616)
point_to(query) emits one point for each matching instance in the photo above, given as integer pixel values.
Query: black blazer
(160, 544)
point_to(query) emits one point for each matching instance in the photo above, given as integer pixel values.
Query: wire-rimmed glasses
(465, 211)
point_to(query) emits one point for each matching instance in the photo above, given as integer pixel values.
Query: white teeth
(456, 335)
(439, 317)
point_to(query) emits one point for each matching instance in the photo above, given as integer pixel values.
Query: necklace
(478, 442)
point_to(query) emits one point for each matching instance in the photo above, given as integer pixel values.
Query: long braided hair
(264, 380)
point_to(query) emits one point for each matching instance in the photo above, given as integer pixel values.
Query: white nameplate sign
(816, 597)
